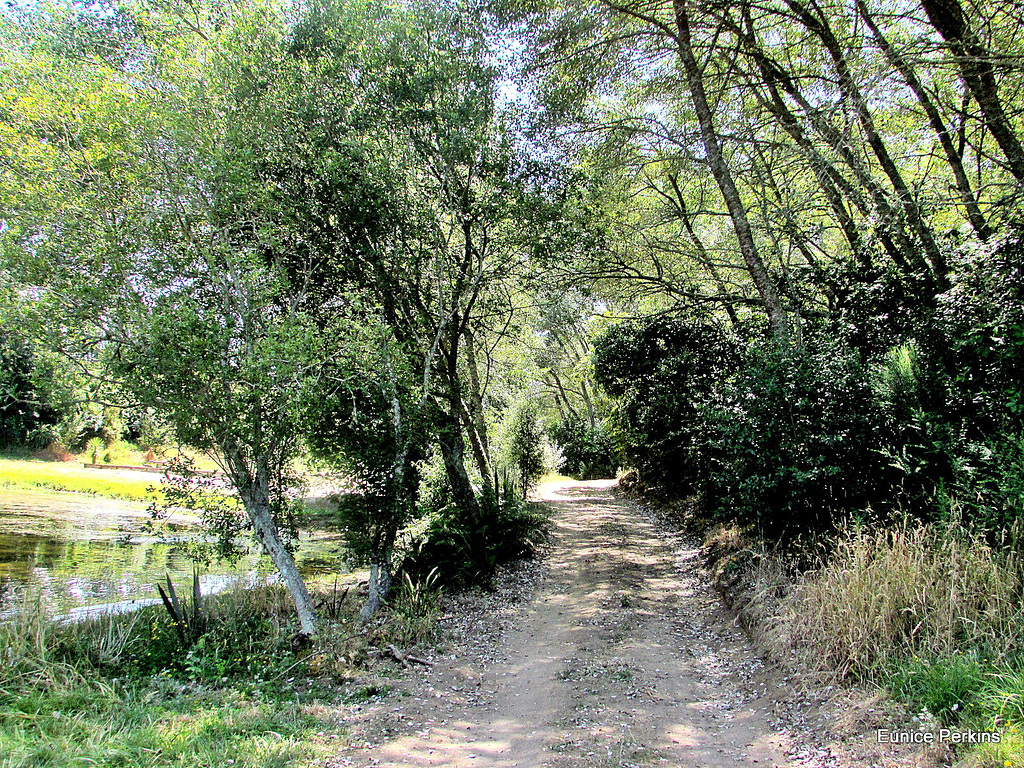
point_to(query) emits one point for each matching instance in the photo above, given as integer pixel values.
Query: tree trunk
(449, 440)
(476, 446)
(950, 21)
(723, 176)
(476, 397)
(818, 24)
(380, 586)
(591, 415)
(826, 176)
(953, 158)
(472, 406)
(257, 505)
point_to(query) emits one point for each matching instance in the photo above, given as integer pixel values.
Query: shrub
(55, 451)
(520, 445)
(978, 335)
(117, 452)
(988, 488)
(467, 552)
(877, 308)
(93, 448)
(662, 372)
(793, 442)
(414, 609)
(589, 451)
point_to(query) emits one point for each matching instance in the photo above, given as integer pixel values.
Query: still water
(74, 550)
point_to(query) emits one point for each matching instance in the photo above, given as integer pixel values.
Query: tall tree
(404, 139)
(975, 63)
(124, 221)
(723, 174)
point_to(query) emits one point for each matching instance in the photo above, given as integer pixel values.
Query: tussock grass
(414, 609)
(29, 659)
(934, 615)
(885, 596)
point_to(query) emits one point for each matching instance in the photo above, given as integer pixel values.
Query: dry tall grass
(886, 595)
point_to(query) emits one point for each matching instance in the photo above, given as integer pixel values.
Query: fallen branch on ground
(405, 658)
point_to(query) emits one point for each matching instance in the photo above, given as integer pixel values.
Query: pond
(73, 550)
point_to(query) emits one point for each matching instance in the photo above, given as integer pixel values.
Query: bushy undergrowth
(128, 690)
(415, 607)
(662, 373)
(792, 442)
(464, 552)
(520, 446)
(588, 451)
(946, 687)
(246, 631)
(932, 613)
(902, 401)
(970, 692)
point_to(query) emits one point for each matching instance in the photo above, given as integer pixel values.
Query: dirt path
(622, 658)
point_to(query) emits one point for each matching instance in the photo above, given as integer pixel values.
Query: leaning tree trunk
(476, 397)
(257, 505)
(953, 158)
(891, 233)
(976, 70)
(453, 453)
(476, 445)
(379, 585)
(816, 22)
(723, 176)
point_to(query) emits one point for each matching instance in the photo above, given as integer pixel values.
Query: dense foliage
(662, 373)
(798, 439)
(588, 450)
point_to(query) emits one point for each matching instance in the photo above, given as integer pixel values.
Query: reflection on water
(75, 550)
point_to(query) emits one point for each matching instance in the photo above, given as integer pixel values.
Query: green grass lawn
(154, 728)
(133, 691)
(35, 474)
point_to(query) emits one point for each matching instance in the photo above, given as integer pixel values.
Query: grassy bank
(35, 474)
(139, 691)
(930, 614)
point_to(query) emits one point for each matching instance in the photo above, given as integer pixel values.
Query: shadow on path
(623, 658)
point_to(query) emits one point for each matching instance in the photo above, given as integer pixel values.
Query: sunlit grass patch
(969, 692)
(1008, 753)
(129, 731)
(35, 475)
(948, 688)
